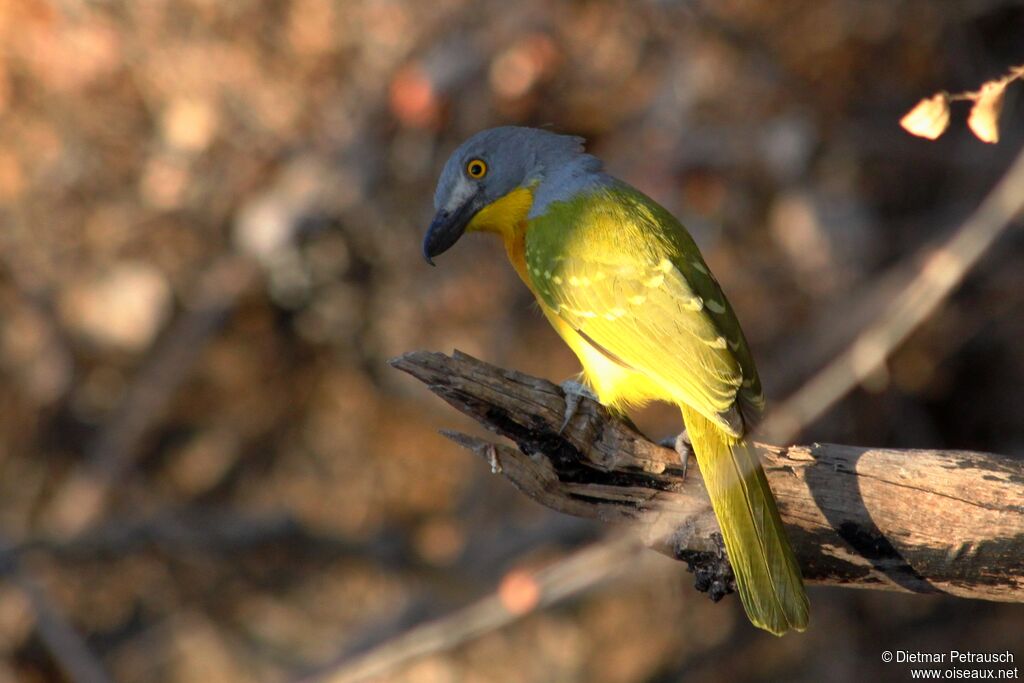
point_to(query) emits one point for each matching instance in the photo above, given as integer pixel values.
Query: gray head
(485, 168)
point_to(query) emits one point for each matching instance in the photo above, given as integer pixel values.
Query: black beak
(448, 226)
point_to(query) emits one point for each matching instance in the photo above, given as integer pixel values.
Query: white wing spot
(637, 299)
(664, 265)
(574, 281)
(547, 274)
(694, 304)
(699, 267)
(618, 312)
(715, 306)
(557, 280)
(586, 314)
(718, 343)
(655, 281)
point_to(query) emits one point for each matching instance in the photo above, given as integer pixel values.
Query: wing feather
(626, 275)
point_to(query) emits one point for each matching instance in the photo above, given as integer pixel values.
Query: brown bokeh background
(210, 217)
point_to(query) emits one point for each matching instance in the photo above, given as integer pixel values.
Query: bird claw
(574, 393)
(681, 444)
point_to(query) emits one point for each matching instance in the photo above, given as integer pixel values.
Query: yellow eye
(476, 169)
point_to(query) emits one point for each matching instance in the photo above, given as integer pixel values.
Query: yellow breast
(614, 384)
(507, 217)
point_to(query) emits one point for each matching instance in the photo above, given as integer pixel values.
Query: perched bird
(625, 286)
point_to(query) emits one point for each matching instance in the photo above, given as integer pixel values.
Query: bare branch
(909, 520)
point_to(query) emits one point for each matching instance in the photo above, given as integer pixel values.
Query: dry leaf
(984, 118)
(929, 118)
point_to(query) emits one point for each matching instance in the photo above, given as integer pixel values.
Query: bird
(626, 288)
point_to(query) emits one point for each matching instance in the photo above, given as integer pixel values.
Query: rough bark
(919, 521)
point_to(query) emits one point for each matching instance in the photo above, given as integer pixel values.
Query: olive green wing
(625, 274)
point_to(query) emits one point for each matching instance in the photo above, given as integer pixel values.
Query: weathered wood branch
(908, 520)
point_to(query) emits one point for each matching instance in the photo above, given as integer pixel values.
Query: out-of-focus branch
(68, 648)
(909, 520)
(266, 228)
(80, 501)
(937, 277)
(585, 568)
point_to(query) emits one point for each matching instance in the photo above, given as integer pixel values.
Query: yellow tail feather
(767, 575)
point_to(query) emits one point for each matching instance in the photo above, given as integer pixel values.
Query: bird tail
(766, 570)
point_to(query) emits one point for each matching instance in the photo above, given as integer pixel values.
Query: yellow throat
(507, 217)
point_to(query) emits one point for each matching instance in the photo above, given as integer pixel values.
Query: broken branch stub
(919, 521)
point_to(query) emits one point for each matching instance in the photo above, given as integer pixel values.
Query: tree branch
(908, 520)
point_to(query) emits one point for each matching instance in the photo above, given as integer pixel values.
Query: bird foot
(574, 393)
(681, 444)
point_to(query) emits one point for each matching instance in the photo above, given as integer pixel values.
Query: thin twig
(1015, 73)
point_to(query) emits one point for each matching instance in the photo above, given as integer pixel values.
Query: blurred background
(210, 218)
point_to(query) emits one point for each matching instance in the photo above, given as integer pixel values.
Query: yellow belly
(616, 385)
